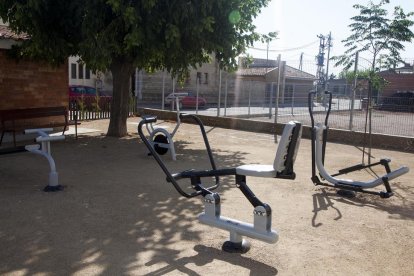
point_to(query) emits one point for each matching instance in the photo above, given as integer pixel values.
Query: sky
(299, 22)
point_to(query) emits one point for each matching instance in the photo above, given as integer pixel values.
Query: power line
(285, 50)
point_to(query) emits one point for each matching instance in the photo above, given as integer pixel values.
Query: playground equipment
(160, 139)
(262, 213)
(43, 149)
(347, 186)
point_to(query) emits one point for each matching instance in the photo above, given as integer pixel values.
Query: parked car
(400, 101)
(83, 97)
(186, 99)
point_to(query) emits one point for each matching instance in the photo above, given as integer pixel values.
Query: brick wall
(398, 82)
(25, 84)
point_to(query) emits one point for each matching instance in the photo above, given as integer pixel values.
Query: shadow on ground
(117, 214)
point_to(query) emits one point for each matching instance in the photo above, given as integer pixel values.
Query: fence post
(250, 95)
(163, 90)
(351, 117)
(270, 100)
(197, 92)
(293, 98)
(219, 95)
(225, 97)
(279, 63)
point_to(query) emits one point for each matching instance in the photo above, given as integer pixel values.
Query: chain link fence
(255, 101)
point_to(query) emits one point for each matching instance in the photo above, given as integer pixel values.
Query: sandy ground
(118, 216)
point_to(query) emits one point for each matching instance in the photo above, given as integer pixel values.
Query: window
(289, 92)
(198, 77)
(73, 70)
(80, 66)
(205, 78)
(87, 73)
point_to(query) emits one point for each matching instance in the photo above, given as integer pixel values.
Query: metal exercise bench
(262, 213)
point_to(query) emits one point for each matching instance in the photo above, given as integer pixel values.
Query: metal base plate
(346, 193)
(236, 247)
(56, 188)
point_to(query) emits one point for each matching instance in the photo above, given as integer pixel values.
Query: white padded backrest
(282, 150)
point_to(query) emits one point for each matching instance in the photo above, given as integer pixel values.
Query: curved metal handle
(329, 107)
(149, 119)
(311, 95)
(170, 177)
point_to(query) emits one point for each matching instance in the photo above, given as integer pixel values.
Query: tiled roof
(294, 73)
(6, 33)
(260, 62)
(261, 67)
(254, 71)
(290, 72)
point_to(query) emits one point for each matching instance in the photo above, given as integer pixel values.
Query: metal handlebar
(310, 102)
(329, 107)
(170, 177)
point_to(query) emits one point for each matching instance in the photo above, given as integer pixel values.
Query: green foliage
(373, 32)
(120, 35)
(247, 60)
(378, 82)
(267, 38)
(151, 34)
(53, 27)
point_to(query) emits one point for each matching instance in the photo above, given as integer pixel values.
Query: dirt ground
(118, 215)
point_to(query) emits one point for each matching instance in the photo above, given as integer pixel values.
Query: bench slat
(13, 115)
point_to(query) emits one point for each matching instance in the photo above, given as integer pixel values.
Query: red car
(85, 97)
(186, 99)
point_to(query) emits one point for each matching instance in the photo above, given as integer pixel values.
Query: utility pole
(329, 45)
(320, 62)
(301, 61)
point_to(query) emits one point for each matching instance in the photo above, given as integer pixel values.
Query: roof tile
(7, 33)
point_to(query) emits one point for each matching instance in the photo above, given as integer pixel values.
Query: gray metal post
(219, 95)
(173, 90)
(270, 100)
(279, 65)
(351, 117)
(197, 90)
(225, 98)
(250, 95)
(163, 90)
(293, 98)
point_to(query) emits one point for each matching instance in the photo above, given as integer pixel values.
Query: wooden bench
(15, 120)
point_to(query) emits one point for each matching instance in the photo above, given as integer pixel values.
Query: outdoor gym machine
(160, 139)
(262, 213)
(43, 149)
(347, 186)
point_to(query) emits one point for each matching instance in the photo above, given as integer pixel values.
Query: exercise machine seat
(285, 155)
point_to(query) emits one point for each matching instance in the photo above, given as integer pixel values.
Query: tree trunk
(121, 70)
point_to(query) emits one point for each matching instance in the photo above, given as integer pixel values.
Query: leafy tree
(373, 32)
(377, 82)
(120, 35)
